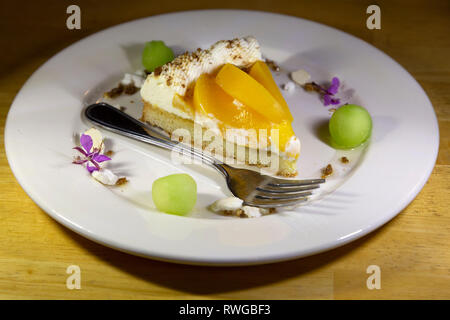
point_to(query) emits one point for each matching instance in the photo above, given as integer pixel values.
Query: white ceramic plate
(46, 116)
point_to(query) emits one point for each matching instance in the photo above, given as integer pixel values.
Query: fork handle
(112, 119)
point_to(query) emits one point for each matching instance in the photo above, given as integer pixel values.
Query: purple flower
(90, 156)
(330, 92)
(334, 87)
(327, 100)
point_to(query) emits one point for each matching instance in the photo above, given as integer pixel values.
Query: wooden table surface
(412, 250)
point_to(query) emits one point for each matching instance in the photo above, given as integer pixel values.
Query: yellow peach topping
(241, 100)
(250, 92)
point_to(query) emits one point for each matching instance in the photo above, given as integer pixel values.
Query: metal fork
(253, 188)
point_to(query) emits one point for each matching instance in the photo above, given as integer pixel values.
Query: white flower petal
(105, 176)
(300, 76)
(97, 138)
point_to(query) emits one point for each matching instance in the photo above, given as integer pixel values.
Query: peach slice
(285, 133)
(251, 93)
(261, 73)
(209, 98)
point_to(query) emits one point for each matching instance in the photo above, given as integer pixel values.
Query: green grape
(350, 126)
(156, 54)
(175, 193)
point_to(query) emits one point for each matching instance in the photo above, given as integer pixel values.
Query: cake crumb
(130, 89)
(233, 206)
(327, 171)
(121, 181)
(117, 91)
(122, 108)
(272, 65)
(240, 213)
(109, 153)
(311, 86)
(345, 160)
(114, 92)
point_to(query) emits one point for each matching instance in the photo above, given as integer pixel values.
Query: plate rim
(177, 259)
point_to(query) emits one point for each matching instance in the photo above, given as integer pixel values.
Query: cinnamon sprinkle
(157, 71)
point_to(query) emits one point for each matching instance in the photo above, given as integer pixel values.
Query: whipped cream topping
(292, 148)
(177, 76)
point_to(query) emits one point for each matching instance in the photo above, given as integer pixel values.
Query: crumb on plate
(311, 86)
(120, 89)
(272, 65)
(121, 181)
(327, 171)
(233, 206)
(345, 160)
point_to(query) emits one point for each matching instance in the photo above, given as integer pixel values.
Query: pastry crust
(170, 122)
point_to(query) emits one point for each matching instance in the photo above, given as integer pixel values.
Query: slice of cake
(229, 93)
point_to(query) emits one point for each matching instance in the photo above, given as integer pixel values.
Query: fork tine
(289, 190)
(279, 196)
(275, 204)
(293, 183)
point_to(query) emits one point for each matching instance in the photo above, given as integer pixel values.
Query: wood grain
(412, 250)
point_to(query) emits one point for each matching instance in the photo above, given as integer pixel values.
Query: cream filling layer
(177, 76)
